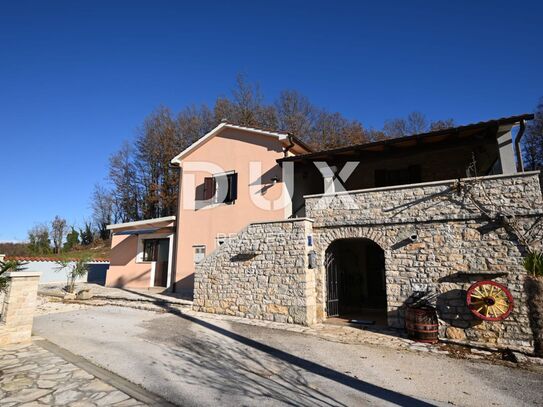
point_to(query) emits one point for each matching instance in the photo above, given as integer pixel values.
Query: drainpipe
(287, 148)
(518, 152)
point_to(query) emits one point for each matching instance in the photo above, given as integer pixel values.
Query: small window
(199, 253)
(212, 188)
(150, 249)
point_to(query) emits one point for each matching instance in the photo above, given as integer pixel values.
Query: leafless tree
(144, 185)
(441, 124)
(416, 123)
(395, 128)
(295, 113)
(123, 176)
(102, 210)
(533, 141)
(59, 229)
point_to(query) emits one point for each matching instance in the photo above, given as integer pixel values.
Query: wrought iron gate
(332, 285)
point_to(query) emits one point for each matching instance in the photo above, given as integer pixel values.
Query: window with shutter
(210, 187)
(232, 193)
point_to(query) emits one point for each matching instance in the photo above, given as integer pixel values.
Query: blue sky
(77, 78)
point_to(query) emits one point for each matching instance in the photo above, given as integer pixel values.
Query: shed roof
(460, 132)
(164, 222)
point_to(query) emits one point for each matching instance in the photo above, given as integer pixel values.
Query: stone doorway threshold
(377, 316)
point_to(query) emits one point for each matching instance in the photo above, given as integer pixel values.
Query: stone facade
(261, 273)
(18, 307)
(456, 246)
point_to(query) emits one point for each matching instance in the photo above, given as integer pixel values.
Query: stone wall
(456, 246)
(18, 307)
(261, 273)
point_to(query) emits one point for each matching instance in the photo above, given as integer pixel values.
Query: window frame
(211, 188)
(194, 253)
(154, 256)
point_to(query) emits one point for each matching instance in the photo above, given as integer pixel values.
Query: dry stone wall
(261, 273)
(456, 246)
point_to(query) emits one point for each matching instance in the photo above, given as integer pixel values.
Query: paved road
(206, 362)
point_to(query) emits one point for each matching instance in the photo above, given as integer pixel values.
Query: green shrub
(73, 271)
(9, 265)
(533, 263)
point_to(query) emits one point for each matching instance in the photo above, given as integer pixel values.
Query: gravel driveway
(199, 361)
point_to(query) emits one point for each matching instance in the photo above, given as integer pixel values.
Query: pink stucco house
(362, 232)
(229, 178)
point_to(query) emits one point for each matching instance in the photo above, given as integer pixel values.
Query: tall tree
(39, 242)
(295, 113)
(143, 185)
(72, 239)
(59, 229)
(156, 145)
(414, 123)
(87, 237)
(126, 192)
(533, 141)
(441, 124)
(102, 210)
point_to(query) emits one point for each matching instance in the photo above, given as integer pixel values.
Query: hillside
(99, 249)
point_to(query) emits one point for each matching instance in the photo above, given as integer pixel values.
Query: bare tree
(533, 141)
(441, 124)
(59, 229)
(102, 210)
(194, 122)
(161, 138)
(332, 130)
(295, 113)
(247, 101)
(123, 176)
(416, 123)
(395, 128)
(143, 185)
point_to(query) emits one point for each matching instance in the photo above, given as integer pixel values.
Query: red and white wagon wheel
(489, 300)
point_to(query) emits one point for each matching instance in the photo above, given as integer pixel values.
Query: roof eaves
(488, 123)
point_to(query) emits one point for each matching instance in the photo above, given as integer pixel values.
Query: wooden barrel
(421, 324)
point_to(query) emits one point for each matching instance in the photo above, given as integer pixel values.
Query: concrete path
(198, 361)
(31, 375)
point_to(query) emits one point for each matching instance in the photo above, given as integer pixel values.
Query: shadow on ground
(249, 368)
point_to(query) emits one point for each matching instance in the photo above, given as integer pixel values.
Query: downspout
(287, 148)
(518, 152)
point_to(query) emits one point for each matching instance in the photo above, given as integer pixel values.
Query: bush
(73, 271)
(533, 263)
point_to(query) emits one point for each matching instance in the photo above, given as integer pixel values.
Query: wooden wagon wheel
(489, 301)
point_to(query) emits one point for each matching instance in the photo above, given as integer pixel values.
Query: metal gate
(332, 285)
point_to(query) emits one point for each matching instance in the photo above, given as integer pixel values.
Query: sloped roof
(413, 140)
(281, 136)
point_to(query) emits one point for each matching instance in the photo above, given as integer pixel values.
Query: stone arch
(325, 236)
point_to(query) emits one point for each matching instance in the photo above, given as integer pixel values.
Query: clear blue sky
(77, 78)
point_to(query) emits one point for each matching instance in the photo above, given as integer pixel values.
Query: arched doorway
(355, 281)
